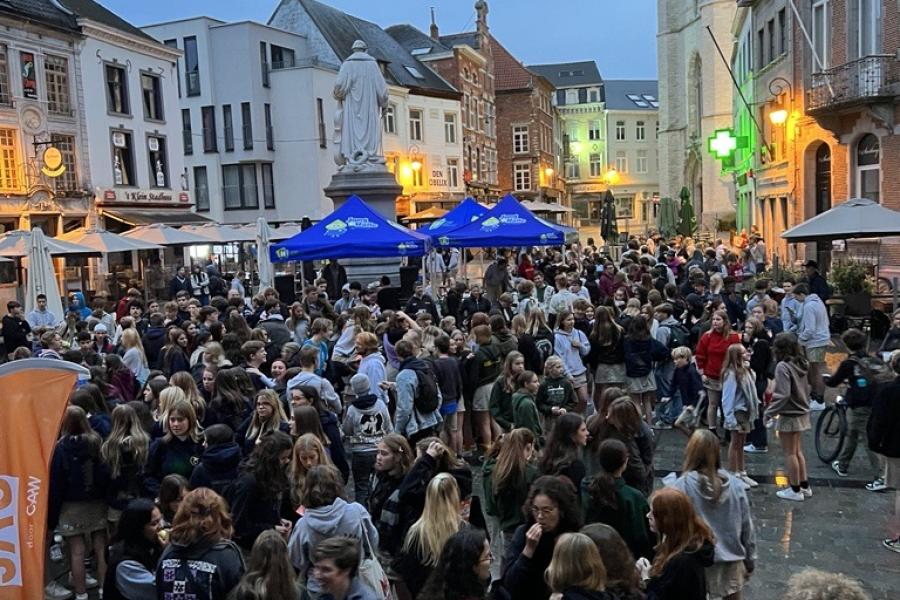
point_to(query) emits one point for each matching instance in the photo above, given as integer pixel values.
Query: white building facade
(632, 117)
(695, 96)
(133, 127)
(255, 114)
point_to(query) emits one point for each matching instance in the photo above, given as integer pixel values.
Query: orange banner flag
(33, 397)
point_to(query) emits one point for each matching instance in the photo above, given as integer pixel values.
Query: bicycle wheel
(830, 432)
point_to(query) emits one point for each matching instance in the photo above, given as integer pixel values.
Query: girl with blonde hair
(427, 536)
(124, 454)
(576, 570)
(267, 417)
(167, 398)
(188, 385)
(308, 452)
(135, 358)
(179, 450)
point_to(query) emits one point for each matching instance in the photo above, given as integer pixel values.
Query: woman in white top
(135, 358)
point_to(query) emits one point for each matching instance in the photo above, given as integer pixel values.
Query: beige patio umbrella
(42, 276)
(164, 235)
(106, 241)
(221, 234)
(15, 244)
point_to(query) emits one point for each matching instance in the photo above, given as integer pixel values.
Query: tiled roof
(467, 38)
(509, 73)
(87, 9)
(631, 94)
(39, 11)
(341, 30)
(571, 74)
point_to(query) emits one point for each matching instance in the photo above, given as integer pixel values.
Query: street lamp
(777, 87)
(548, 172)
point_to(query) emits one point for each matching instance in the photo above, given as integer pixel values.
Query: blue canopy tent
(570, 233)
(352, 231)
(464, 213)
(508, 224)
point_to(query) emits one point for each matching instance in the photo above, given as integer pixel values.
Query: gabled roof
(631, 94)
(92, 11)
(509, 73)
(467, 38)
(570, 74)
(44, 12)
(341, 30)
(416, 42)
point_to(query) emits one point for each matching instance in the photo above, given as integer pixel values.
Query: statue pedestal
(379, 189)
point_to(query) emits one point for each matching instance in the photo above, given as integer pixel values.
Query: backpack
(427, 398)
(678, 336)
(871, 371)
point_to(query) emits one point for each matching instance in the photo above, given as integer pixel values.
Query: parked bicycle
(831, 430)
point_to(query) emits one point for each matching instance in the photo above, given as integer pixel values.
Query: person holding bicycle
(855, 372)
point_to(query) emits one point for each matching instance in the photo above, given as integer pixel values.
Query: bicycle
(831, 430)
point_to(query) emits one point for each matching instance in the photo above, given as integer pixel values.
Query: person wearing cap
(366, 422)
(817, 284)
(349, 297)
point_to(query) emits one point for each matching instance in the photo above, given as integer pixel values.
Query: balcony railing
(863, 80)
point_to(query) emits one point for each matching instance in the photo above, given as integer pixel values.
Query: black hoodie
(154, 340)
(683, 577)
(218, 467)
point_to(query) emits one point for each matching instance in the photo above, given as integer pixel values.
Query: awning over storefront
(133, 216)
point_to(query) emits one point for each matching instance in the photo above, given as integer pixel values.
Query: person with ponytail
(606, 498)
(684, 551)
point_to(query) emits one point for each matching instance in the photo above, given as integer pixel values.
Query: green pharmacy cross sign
(722, 144)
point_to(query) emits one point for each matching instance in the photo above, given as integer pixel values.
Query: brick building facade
(525, 125)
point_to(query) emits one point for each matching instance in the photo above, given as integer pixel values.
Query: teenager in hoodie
(814, 335)
(790, 405)
(555, 396)
(720, 499)
(220, 459)
(327, 515)
(371, 364)
(178, 451)
(409, 421)
(571, 345)
(685, 550)
(524, 409)
(501, 338)
(367, 421)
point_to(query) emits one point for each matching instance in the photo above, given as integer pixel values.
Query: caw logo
(10, 552)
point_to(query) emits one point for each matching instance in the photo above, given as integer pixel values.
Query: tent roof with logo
(354, 230)
(462, 214)
(508, 224)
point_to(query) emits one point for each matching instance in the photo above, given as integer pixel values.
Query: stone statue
(362, 95)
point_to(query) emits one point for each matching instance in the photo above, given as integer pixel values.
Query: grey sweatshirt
(728, 516)
(366, 422)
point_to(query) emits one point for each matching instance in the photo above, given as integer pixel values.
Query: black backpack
(427, 398)
(678, 336)
(871, 372)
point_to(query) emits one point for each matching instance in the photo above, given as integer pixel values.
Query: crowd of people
(350, 446)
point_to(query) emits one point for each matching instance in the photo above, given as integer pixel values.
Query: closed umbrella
(106, 241)
(667, 217)
(687, 222)
(264, 262)
(164, 235)
(609, 229)
(41, 276)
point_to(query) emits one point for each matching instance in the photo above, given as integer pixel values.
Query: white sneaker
(751, 449)
(789, 494)
(807, 492)
(56, 591)
(89, 581)
(747, 480)
(877, 485)
(815, 405)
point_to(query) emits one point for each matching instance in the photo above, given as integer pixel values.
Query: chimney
(435, 35)
(481, 10)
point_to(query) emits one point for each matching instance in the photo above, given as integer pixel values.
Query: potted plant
(851, 280)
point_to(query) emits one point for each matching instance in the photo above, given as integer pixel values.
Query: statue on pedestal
(362, 96)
